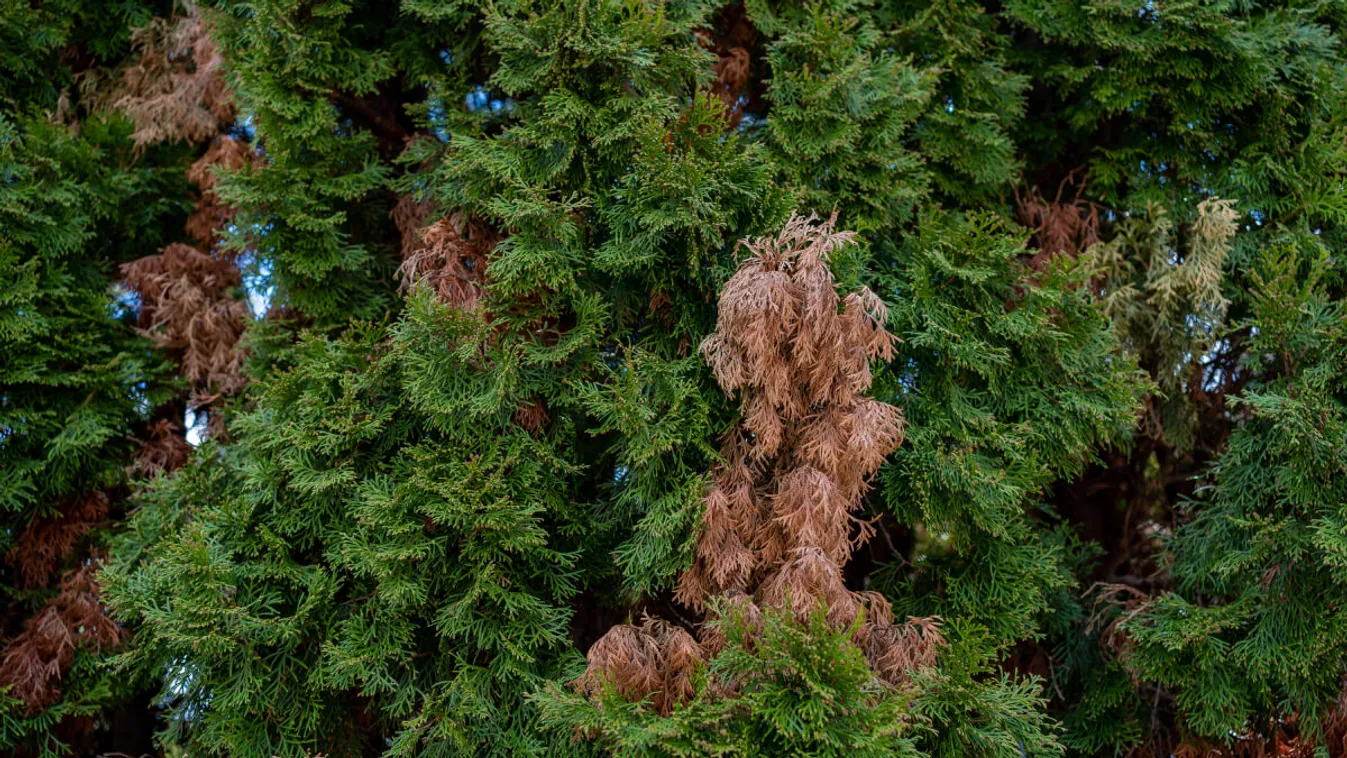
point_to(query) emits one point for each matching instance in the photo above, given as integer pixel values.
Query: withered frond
(40, 548)
(450, 256)
(1061, 227)
(212, 214)
(33, 663)
(778, 519)
(654, 659)
(189, 306)
(175, 89)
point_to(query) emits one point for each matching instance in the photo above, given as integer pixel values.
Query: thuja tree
(1253, 632)
(103, 112)
(1095, 280)
(77, 386)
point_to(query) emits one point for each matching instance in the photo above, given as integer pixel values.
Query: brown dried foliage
(188, 306)
(213, 214)
(654, 659)
(1060, 226)
(164, 450)
(1278, 742)
(896, 651)
(732, 39)
(176, 87)
(1335, 726)
(175, 90)
(410, 216)
(732, 70)
(532, 415)
(1114, 606)
(449, 256)
(798, 465)
(778, 520)
(48, 539)
(33, 663)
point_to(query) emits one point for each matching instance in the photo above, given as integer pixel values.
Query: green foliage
(1006, 383)
(1255, 628)
(41, 39)
(311, 203)
(799, 690)
(425, 509)
(659, 481)
(75, 377)
(317, 562)
(76, 382)
(1008, 379)
(978, 715)
(964, 137)
(842, 106)
(1183, 92)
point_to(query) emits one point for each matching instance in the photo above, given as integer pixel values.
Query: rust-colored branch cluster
(449, 256)
(1060, 226)
(33, 663)
(189, 294)
(190, 302)
(732, 40)
(732, 70)
(779, 521)
(164, 449)
(211, 213)
(653, 658)
(188, 305)
(39, 548)
(780, 506)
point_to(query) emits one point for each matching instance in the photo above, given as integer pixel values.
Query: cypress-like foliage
(531, 420)
(77, 384)
(1251, 635)
(99, 113)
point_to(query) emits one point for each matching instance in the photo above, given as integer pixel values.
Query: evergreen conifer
(530, 413)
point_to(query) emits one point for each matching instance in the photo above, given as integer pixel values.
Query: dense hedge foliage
(444, 378)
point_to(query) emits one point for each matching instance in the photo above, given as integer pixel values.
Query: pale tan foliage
(1163, 292)
(189, 308)
(175, 89)
(896, 651)
(779, 514)
(1167, 296)
(654, 658)
(799, 357)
